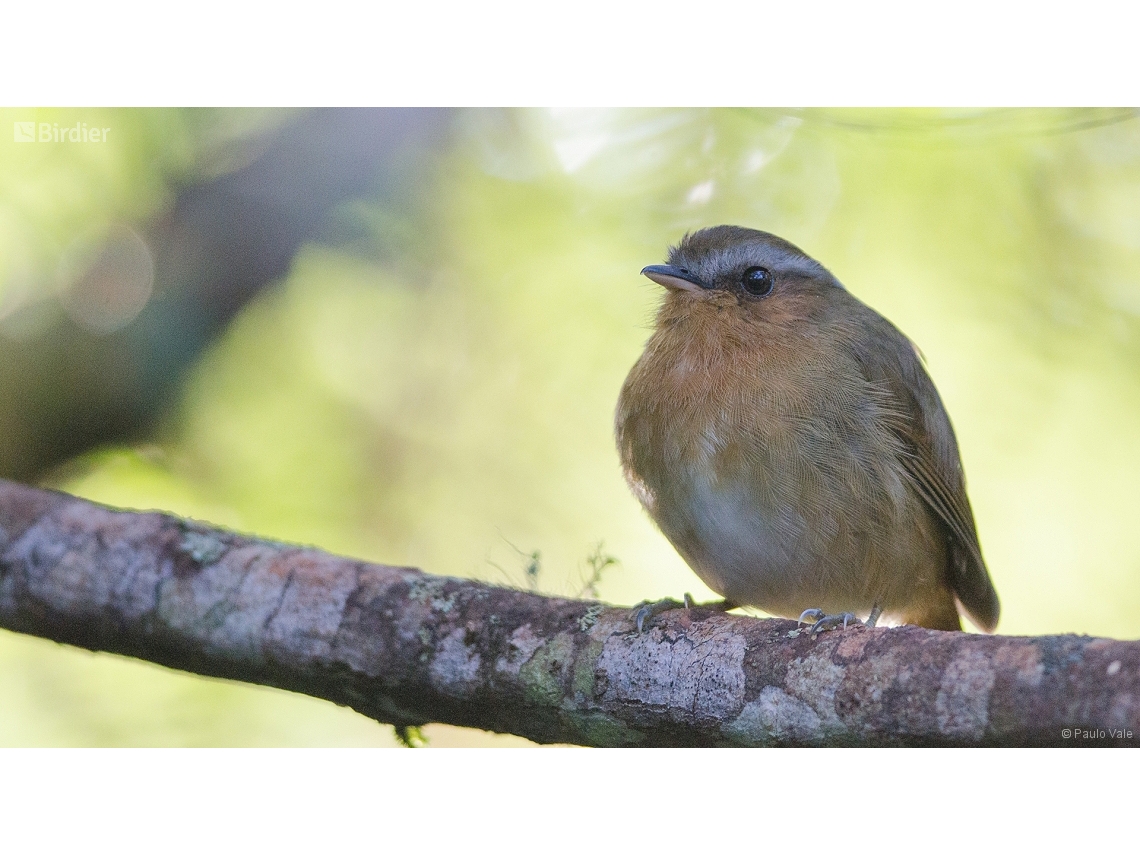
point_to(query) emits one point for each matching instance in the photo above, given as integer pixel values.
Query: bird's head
(753, 272)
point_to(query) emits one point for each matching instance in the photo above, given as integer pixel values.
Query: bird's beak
(674, 278)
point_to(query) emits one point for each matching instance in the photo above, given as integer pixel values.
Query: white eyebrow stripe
(778, 258)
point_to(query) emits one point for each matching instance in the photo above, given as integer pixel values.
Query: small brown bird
(787, 440)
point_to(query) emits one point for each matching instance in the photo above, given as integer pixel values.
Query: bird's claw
(810, 616)
(644, 611)
(640, 616)
(823, 622)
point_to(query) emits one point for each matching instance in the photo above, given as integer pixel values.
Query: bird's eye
(757, 281)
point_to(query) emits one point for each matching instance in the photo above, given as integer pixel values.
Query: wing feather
(930, 458)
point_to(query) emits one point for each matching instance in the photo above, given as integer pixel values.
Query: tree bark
(408, 648)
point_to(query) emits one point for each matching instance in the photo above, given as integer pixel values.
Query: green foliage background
(448, 404)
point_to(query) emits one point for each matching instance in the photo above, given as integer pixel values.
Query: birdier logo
(51, 132)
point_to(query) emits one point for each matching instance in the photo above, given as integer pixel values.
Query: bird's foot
(821, 622)
(645, 610)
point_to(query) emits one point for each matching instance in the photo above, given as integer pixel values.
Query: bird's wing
(931, 459)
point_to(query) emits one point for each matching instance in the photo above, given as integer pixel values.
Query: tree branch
(408, 648)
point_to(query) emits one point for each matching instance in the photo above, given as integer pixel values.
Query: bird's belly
(757, 545)
(747, 553)
(777, 514)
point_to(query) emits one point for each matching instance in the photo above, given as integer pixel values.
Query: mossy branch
(408, 648)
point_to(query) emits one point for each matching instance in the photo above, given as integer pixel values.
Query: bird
(787, 440)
